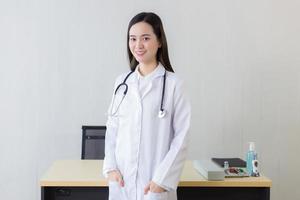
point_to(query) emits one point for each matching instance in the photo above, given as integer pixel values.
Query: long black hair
(154, 21)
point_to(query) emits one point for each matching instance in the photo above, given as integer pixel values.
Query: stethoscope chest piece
(161, 113)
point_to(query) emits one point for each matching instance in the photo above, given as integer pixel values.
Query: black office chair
(93, 141)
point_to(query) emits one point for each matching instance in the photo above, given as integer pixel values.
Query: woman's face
(143, 43)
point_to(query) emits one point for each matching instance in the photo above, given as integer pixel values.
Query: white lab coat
(142, 146)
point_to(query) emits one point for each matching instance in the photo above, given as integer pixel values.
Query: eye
(132, 39)
(146, 38)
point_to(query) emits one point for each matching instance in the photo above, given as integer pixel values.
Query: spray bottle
(251, 156)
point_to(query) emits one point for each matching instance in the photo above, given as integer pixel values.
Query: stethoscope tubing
(163, 93)
(161, 112)
(124, 83)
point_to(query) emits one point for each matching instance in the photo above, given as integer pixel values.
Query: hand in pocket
(153, 187)
(116, 176)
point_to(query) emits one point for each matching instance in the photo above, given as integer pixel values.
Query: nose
(139, 44)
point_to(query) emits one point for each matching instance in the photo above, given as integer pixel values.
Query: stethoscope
(161, 112)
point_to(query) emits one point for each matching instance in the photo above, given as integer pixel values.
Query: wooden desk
(83, 179)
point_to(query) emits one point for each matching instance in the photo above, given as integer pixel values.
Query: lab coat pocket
(156, 196)
(115, 191)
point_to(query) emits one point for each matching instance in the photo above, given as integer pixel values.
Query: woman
(149, 118)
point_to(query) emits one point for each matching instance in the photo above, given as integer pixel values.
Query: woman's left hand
(153, 187)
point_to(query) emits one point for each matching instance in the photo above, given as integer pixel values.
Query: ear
(159, 44)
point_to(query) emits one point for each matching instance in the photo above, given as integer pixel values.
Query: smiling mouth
(140, 53)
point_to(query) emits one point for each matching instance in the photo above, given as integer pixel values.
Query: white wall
(59, 58)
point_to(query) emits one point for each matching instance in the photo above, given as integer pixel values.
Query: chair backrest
(93, 141)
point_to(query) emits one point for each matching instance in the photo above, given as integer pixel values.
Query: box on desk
(209, 170)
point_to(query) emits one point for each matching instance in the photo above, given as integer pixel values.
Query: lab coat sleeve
(168, 172)
(109, 163)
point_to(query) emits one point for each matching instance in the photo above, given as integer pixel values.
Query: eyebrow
(146, 34)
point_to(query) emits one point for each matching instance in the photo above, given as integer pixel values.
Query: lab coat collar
(158, 72)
